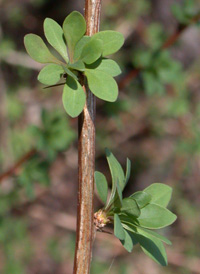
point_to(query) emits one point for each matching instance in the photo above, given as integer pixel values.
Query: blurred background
(155, 122)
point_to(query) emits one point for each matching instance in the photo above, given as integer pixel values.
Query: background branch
(14, 169)
(168, 43)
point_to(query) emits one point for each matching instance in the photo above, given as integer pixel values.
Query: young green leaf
(91, 51)
(70, 73)
(74, 28)
(79, 46)
(118, 201)
(116, 170)
(142, 198)
(73, 97)
(102, 85)
(55, 37)
(112, 41)
(79, 65)
(50, 74)
(117, 177)
(129, 241)
(149, 233)
(154, 216)
(38, 51)
(160, 193)
(129, 222)
(101, 185)
(106, 65)
(130, 207)
(118, 228)
(128, 170)
(112, 195)
(153, 248)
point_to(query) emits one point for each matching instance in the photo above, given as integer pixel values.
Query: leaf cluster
(158, 69)
(54, 135)
(15, 244)
(35, 170)
(184, 11)
(80, 55)
(136, 216)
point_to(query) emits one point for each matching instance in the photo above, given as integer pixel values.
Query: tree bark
(86, 162)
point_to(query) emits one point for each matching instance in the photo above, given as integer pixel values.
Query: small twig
(105, 231)
(14, 169)
(168, 43)
(128, 77)
(174, 37)
(52, 86)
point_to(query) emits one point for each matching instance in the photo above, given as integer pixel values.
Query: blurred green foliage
(15, 245)
(54, 135)
(155, 122)
(184, 11)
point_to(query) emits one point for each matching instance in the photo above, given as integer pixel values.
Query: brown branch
(86, 153)
(128, 77)
(174, 37)
(168, 43)
(14, 169)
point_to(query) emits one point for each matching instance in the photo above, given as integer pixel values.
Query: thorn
(54, 85)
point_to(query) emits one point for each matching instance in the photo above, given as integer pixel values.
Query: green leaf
(128, 170)
(130, 207)
(101, 185)
(73, 97)
(55, 37)
(79, 65)
(160, 193)
(38, 51)
(106, 65)
(129, 222)
(118, 228)
(74, 28)
(129, 241)
(149, 233)
(112, 41)
(79, 46)
(112, 195)
(153, 248)
(142, 198)
(118, 201)
(91, 51)
(70, 73)
(50, 74)
(154, 216)
(116, 170)
(102, 85)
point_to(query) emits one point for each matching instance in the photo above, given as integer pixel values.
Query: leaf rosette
(77, 54)
(135, 217)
